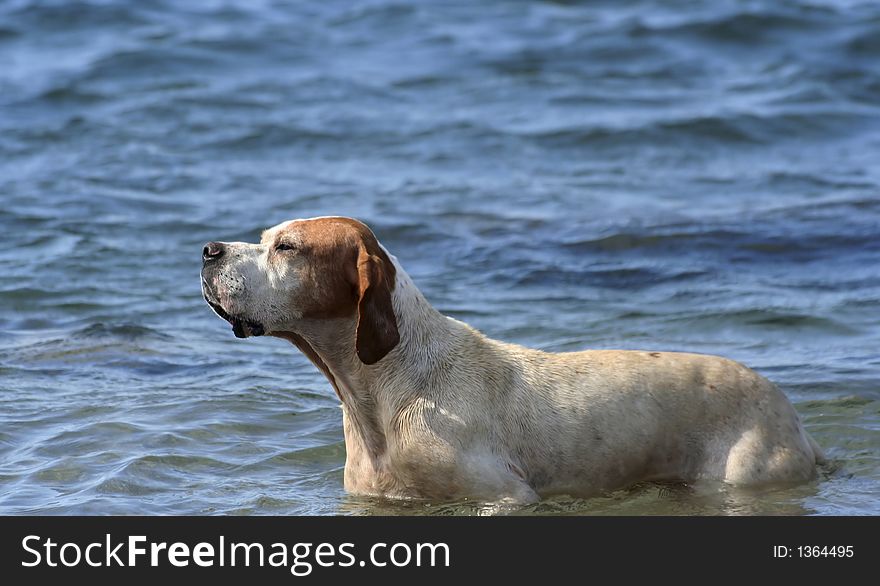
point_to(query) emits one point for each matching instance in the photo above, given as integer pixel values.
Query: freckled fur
(448, 413)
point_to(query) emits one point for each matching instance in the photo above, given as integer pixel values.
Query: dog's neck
(372, 394)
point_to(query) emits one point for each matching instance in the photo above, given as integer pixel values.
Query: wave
(744, 28)
(742, 129)
(126, 332)
(81, 14)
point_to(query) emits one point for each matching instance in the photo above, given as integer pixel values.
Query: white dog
(434, 409)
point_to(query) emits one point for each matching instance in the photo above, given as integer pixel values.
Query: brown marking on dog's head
(343, 270)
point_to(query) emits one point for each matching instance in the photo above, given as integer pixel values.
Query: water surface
(687, 175)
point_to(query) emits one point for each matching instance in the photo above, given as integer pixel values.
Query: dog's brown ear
(377, 330)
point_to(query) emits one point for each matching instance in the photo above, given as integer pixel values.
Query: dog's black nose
(212, 250)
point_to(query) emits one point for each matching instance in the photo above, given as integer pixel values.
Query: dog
(433, 409)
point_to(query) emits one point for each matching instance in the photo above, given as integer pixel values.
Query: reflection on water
(642, 499)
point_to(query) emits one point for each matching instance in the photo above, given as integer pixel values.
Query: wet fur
(434, 409)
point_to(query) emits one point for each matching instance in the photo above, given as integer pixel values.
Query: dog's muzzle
(242, 328)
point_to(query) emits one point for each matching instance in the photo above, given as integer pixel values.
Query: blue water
(685, 175)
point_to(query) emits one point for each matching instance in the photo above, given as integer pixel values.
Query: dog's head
(305, 270)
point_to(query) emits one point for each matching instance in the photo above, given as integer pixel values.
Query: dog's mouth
(242, 328)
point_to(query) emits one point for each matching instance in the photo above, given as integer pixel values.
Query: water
(695, 175)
